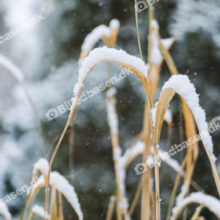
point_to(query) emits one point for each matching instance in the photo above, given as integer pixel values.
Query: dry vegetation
(146, 144)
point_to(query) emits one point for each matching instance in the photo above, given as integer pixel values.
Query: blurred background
(48, 53)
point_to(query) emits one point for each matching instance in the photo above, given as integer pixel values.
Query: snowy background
(47, 53)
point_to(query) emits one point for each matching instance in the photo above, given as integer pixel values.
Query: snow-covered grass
(152, 122)
(210, 202)
(38, 210)
(62, 186)
(146, 144)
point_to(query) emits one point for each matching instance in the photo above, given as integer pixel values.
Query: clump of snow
(64, 187)
(120, 178)
(93, 37)
(36, 209)
(182, 85)
(137, 149)
(156, 56)
(114, 24)
(167, 42)
(182, 193)
(42, 165)
(154, 24)
(209, 201)
(4, 211)
(108, 55)
(168, 116)
(111, 92)
(112, 116)
(98, 33)
(9, 66)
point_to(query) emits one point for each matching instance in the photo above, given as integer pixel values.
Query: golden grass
(147, 194)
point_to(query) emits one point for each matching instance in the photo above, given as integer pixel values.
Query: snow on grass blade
(210, 202)
(112, 117)
(114, 24)
(168, 116)
(120, 176)
(183, 192)
(4, 211)
(119, 57)
(133, 152)
(165, 157)
(100, 32)
(64, 187)
(105, 54)
(93, 37)
(117, 154)
(42, 165)
(182, 85)
(156, 56)
(9, 66)
(38, 210)
(168, 42)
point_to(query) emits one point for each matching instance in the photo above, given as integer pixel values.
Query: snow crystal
(182, 85)
(8, 65)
